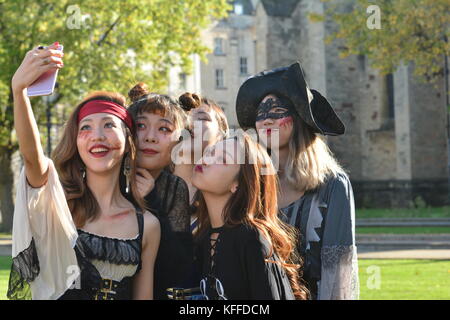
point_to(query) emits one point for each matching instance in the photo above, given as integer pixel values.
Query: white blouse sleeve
(44, 237)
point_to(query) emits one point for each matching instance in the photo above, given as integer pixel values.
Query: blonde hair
(310, 161)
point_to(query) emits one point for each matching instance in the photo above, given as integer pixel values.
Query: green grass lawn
(405, 279)
(403, 230)
(440, 212)
(5, 267)
(400, 279)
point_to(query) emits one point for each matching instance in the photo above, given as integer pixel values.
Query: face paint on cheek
(84, 134)
(286, 121)
(116, 146)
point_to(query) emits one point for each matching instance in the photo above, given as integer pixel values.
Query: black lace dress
(169, 201)
(107, 265)
(234, 266)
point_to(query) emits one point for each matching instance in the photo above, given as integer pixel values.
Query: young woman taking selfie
(75, 236)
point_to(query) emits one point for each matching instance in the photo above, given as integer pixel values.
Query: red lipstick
(149, 151)
(99, 150)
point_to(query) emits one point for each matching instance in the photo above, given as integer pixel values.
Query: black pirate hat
(288, 82)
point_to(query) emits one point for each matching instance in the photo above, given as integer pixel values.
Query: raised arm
(35, 63)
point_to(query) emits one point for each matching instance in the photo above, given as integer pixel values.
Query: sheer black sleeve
(24, 269)
(173, 196)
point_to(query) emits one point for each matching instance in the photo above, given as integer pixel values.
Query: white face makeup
(101, 142)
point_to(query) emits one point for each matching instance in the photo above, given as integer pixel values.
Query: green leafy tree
(409, 31)
(108, 45)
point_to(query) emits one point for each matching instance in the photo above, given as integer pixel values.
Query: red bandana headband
(102, 106)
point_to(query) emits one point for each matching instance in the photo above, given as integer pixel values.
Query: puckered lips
(198, 168)
(269, 131)
(149, 151)
(99, 150)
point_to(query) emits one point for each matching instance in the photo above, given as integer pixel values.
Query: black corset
(116, 251)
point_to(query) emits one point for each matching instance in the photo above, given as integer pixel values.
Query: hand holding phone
(45, 84)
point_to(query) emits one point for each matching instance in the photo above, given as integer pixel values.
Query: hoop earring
(127, 172)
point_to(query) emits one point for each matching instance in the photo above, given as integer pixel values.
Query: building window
(219, 78)
(390, 95)
(238, 8)
(218, 46)
(243, 66)
(183, 81)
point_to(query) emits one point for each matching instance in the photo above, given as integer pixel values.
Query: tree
(108, 45)
(410, 31)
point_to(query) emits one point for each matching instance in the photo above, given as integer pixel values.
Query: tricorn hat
(288, 82)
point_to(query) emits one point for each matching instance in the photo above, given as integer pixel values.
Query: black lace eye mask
(263, 111)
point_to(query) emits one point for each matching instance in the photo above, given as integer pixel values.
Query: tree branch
(111, 27)
(103, 37)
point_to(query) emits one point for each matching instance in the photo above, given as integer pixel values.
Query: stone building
(396, 145)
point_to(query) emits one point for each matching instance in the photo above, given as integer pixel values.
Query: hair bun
(138, 91)
(189, 101)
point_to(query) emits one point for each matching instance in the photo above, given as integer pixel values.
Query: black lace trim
(24, 269)
(116, 251)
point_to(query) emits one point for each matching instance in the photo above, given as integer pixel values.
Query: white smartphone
(45, 84)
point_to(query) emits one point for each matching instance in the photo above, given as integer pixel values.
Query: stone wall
(393, 156)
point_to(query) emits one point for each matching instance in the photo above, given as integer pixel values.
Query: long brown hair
(80, 199)
(255, 204)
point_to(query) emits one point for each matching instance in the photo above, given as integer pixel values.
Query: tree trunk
(6, 189)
